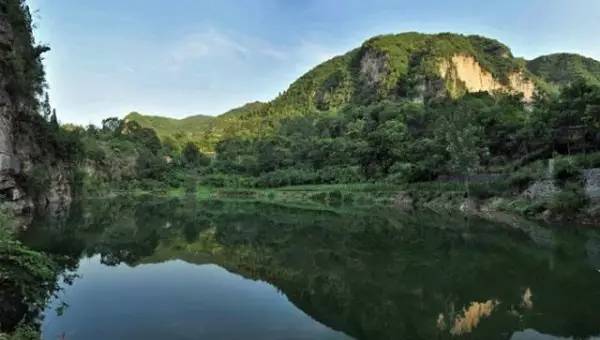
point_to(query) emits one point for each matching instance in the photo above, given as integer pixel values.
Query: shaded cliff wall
(31, 175)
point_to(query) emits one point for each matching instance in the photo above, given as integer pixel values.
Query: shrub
(521, 180)
(94, 151)
(190, 185)
(285, 177)
(565, 170)
(335, 196)
(38, 181)
(28, 277)
(489, 189)
(319, 197)
(588, 161)
(228, 181)
(339, 175)
(401, 173)
(568, 201)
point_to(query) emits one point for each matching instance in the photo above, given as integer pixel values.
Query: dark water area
(183, 269)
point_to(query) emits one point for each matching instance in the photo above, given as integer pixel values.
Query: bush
(78, 180)
(401, 173)
(293, 176)
(228, 181)
(94, 151)
(521, 180)
(489, 189)
(24, 332)
(588, 161)
(190, 185)
(150, 165)
(335, 196)
(339, 175)
(38, 181)
(568, 201)
(565, 170)
(286, 177)
(149, 184)
(319, 197)
(28, 278)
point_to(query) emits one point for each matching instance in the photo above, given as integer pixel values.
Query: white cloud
(211, 43)
(214, 44)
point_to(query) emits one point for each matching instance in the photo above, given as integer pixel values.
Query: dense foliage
(563, 69)
(408, 142)
(27, 279)
(365, 116)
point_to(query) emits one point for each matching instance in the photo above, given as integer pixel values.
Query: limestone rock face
(21, 151)
(592, 184)
(466, 71)
(542, 189)
(373, 68)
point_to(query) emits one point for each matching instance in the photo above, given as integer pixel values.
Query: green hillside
(394, 68)
(401, 109)
(169, 126)
(405, 66)
(563, 68)
(205, 131)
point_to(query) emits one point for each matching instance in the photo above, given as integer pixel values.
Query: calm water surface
(180, 269)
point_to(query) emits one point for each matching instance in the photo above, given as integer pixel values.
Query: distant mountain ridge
(408, 66)
(561, 69)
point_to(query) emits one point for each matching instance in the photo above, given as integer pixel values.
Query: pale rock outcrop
(543, 189)
(591, 179)
(464, 70)
(373, 68)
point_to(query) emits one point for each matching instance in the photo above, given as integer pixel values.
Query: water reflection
(470, 317)
(369, 274)
(526, 300)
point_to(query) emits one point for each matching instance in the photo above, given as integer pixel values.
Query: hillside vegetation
(403, 109)
(400, 110)
(563, 69)
(413, 67)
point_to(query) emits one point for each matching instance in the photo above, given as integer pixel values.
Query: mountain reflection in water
(368, 274)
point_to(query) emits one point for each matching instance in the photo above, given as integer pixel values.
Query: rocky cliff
(464, 71)
(31, 175)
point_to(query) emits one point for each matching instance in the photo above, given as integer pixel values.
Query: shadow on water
(369, 274)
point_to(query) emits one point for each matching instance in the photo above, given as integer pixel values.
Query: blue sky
(184, 57)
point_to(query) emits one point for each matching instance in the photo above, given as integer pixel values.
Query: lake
(154, 268)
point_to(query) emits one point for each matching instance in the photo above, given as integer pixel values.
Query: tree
(387, 144)
(462, 142)
(191, 156)
(149, 165)
(111, 125)
(46, 108)
(143, 136)
(54, 121)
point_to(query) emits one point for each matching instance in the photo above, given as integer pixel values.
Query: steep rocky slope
(31, 175)
(409, 66)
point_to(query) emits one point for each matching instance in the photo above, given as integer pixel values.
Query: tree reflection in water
(373, 274)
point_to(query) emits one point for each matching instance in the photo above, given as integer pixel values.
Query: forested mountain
(403, 120)
(204, 131)
(410, 67)
(563, 69)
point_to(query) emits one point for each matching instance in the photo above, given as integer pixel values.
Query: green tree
(192, 157)
(150, 165)
(111, 125)
(463, 144)
(54, 121)
(46, 108)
